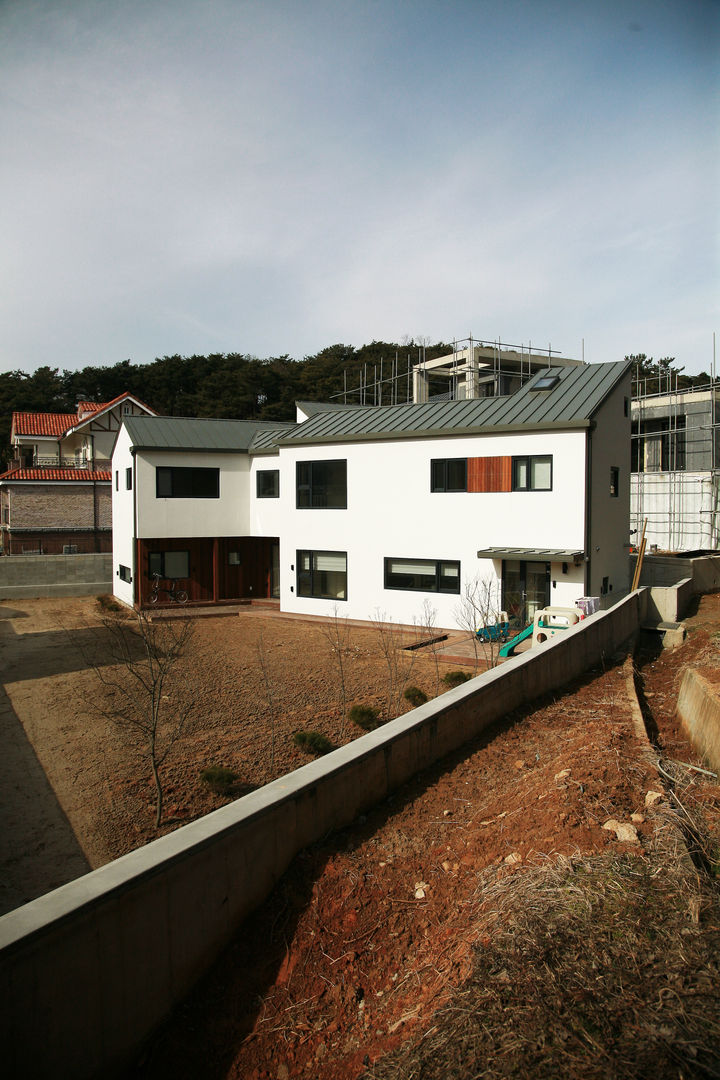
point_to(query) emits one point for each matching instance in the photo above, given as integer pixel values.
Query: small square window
(268, 483)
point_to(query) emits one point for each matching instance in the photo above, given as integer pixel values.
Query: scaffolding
(675, 479)
(474, 368)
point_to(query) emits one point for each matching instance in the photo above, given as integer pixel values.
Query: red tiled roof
(57, 424)
(27, 423)
(101, 475)
(85, 407)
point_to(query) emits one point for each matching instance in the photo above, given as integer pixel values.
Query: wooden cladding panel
(489, 474)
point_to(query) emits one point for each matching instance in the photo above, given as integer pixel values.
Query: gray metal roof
(533, 554)
(310, 408)
(572, 402)
(189, 433)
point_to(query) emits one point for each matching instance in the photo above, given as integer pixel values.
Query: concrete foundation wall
(665, 570)
(55, 575)
(87, 971)
(699, 710)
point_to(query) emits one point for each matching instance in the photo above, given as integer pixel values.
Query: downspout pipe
(588, 510)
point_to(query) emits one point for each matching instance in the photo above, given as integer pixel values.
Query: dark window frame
(448, 474)
(271, 489)
(528, 460)
(124, 573)
(187, 482)
(156, 563)
(312, 575)
(311, 490)
(128, 479)
(438, 574)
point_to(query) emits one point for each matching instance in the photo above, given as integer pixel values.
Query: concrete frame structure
(480, 369)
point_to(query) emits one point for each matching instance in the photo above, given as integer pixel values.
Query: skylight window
(546, 382)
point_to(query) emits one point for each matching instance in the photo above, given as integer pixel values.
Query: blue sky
(195, 176)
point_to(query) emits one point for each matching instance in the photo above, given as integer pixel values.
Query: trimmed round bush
(455, 678)
(312, 742)
(364, 716)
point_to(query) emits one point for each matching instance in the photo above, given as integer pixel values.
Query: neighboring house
(374, 511)
(676, 469)
(55, 497)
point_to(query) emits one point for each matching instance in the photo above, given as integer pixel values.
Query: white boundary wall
(87, 971)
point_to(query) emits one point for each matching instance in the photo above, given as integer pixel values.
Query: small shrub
(313, 742)
(415, 696)
(364, 716)
(218, 779)
(109, 603)
(455, 678)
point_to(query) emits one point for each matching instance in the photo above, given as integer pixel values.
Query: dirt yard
(487, 920)
(77, 791)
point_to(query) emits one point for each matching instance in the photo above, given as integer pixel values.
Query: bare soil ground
(77, 790)
(482, 922)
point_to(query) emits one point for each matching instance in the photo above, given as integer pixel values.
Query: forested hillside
(238, 386)
(229, 385)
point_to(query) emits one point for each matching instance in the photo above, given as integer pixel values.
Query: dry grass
(588, 967)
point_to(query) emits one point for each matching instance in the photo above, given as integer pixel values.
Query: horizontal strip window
(423, 575)
(322, 574)
(268, 484)
(321, 485)
(448, 474)
(532, 473)
(178, 482)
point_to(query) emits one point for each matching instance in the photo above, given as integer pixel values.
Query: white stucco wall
(392, 513)
(122, 517)
(228, 515)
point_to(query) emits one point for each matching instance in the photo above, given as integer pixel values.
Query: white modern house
(376, 510)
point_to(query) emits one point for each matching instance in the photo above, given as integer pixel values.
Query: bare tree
(142, 666)
(399, 662)
(479, 610)
(336, 631)
(428, 625)
(261, 653)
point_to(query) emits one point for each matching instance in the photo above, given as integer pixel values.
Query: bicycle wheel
(153, 597)
(181, 596)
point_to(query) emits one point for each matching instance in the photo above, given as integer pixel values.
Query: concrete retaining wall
(666, 570)
(55, 575)
(699, 710)
(669, 604)
(88, 970)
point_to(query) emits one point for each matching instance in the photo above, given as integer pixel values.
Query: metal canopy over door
(526, 588)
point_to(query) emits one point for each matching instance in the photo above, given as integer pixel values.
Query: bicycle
(179, 596)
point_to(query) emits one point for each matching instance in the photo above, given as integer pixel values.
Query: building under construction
(675, 477)
(675, 464)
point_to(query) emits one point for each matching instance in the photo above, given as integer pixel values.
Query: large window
(169, 564)
(186, 483)
(532, 473)
(448, 474)
(322, 485)
(423, 575)
(322, 574)
(268, 483)
(659, 445)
